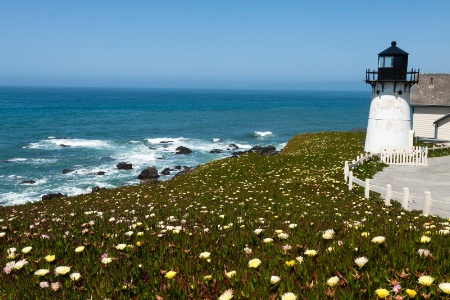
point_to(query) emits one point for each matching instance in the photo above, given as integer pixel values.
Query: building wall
(444, 130)
(423, 119)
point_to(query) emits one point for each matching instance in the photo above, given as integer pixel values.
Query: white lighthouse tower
(389, 123)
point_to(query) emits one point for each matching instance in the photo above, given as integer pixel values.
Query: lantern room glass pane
(386, 62)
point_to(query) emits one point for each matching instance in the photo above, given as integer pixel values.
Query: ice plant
(62, 270)
(227, 295)
(333, 281)
(27, 249)
(75, 276)
(258, 231)
(299, 259)
(204, 255)
(49, 258)
(121, 246)
(268, 240)
(79, 249)
(41, 272)
(55, 286)
(378, 240)
(274, 279)
(289, 296)
(290, 263)
(231, 274)
(254, 263)
(425, 239)
(328, 234)
(411, 293)
(426, 280)
(43, 284)
(311, 252)
(382, 293)
(445, 287)
(171, 274)
(361, 261)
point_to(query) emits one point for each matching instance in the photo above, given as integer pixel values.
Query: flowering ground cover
(254, 227)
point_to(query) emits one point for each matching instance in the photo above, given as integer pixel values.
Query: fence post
(345, 170)
(405, 198)
(350, 180)
(367, 190)
(426, 210)
(387, 200)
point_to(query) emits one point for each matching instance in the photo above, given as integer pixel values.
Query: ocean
(44, 131)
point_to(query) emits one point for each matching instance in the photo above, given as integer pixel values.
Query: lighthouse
(389, 125)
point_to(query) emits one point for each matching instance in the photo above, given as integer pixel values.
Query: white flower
(378, 240)
(274, 279)
(231, 274)
(445, 287)
(41, 272)
(227, 295)
(75, 276)
(292, 226)
(254, 263)
(328, 234)
(27, 249)
(62, 270)
(18, 265)
(361, 261)
(333, 281)
(204, 255)
(311, 252)
(283, 236)
(120, 246)
(258, 231)
(289, 296)
(2, 234)
(299, 259)
(247, 251)
(267, 240)
(129, 233)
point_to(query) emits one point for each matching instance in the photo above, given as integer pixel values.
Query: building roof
(432, 90)
(393, 50)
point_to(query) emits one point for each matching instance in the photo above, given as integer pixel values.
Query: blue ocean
(88, 131)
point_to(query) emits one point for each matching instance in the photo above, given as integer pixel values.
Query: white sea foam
(19, 159)
(262, 133)
(215, 140)
(61, 143)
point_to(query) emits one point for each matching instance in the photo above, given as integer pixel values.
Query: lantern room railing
(372, 76)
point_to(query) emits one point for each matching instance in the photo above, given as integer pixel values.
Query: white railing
(387, 193)
(418, 156)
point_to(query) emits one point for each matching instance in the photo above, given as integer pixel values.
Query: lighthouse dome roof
(393, 50)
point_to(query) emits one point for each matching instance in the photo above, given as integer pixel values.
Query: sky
(215, 44)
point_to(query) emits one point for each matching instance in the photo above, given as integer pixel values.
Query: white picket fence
(387, 193)
(418, 156)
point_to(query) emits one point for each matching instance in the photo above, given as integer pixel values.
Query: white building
(430, 103)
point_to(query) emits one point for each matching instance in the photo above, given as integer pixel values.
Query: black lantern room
(392, 63)
(392, 67)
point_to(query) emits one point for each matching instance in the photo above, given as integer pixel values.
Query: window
(385, 62)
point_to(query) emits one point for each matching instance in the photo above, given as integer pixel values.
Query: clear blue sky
(215, 44)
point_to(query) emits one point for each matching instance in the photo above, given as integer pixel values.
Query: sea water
(44, 131)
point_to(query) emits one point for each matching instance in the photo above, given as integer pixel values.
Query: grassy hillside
(254, 227)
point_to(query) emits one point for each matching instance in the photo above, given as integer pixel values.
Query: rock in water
(53, 196)
(183, 150)
(124, 166)
(149, 173)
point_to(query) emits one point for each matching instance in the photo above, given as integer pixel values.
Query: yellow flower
(311, 252)
(365, 234)
(41, 272)
(426, 280)
(50, 258)
(425, 239)
(333, 281)
(62, 270)
(445, 287)
(231, 274)
(171, 274)
(79, 249)
(382, 293)
(290, 263)
(27, 249)
(254, 263)
(138, 243)
(411, 293)
(207, 277)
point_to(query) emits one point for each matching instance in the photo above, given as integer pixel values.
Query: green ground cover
(254, 227)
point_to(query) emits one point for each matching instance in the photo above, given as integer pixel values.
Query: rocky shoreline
(151, 174)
